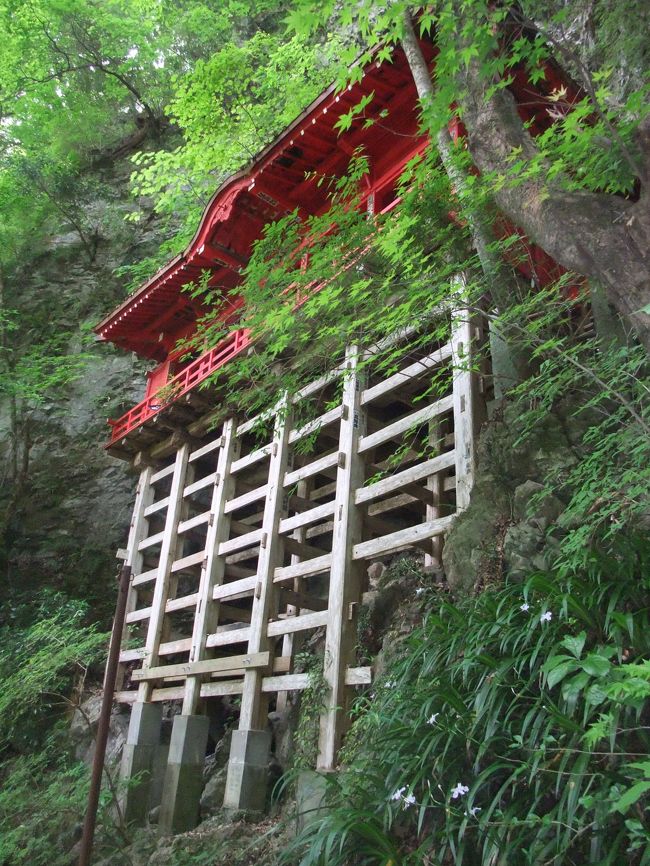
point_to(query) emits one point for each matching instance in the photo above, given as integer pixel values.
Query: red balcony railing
(185, 381)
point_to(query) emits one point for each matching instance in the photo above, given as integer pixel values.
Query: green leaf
(630, 797)
(575, 643)
(596, 665)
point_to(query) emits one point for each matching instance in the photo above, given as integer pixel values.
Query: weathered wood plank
(414, 419)
(239, 543)
(213, 566)
(193, 522)
(144, 577)
(401, 538)
(320, 512)
(250, 459)
(205, 449)
(251, 715)
(345, 576)
(413, 371)
(313, 468)
(201, 484)
(301, 569)
(302, 600)
(167, 551)
(181, 603)
(407, 476)
(161, 474)
(138, 615)
(206, 666)
(317, 384)
(234, 587)
(466, 403)
(188, 561)
(301, 548)
(156, 506)
(317, 424)
(297, 623)
(225, 638)
(218, 690)
(247, 498)
(152, 541)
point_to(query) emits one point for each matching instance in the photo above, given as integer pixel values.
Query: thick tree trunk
(604, 237)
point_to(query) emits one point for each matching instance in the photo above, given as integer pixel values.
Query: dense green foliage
(46, 650)
(512, 728)
(45, 647)
(538, 723)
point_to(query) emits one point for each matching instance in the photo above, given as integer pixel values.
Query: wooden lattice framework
(241, 548)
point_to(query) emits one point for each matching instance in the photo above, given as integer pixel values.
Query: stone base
(248, 771)
(179, 809)
(310, 796)
(138, 760)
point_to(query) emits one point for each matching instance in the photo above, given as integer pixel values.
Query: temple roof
(281, 178)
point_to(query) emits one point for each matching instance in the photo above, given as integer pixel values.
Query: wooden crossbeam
(313, 468)
(301, 549)
(247, 498)
(323, 420)
(313, 515)
(402, 425)
(413, 371)
(302, 600)
(401, 538)
(207, 666)
(406, 477)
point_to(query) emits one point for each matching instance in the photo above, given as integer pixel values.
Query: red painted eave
(310, 139)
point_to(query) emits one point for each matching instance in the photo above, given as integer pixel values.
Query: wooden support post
(288, 641)
(435, 486)
(163, 575)
(269, 559)
(247, 766)
(212, 569)
(134, 558)
(345, 575)
(467, 401)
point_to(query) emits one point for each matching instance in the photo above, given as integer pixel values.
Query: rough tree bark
(604, 237)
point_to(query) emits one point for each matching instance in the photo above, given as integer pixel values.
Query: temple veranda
(239, 548)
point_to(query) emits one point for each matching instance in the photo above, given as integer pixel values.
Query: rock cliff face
(74, 509)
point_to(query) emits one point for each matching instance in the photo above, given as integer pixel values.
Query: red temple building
(240, 551)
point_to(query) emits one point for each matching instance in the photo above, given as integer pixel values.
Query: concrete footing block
(310, 796)
(138, 759)
(179, 808)
(248, 770)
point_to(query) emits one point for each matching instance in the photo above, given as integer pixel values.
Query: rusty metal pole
(104, 718)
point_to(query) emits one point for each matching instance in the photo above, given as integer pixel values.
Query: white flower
(390, 684)
(459, 791)
(419, 591)
(409, 801)
(474, 811)
(546, 617)
(432, 719)
(525, 606)
(398, 793)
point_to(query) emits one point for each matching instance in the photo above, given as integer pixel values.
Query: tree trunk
(604, 237)
(500, 279)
